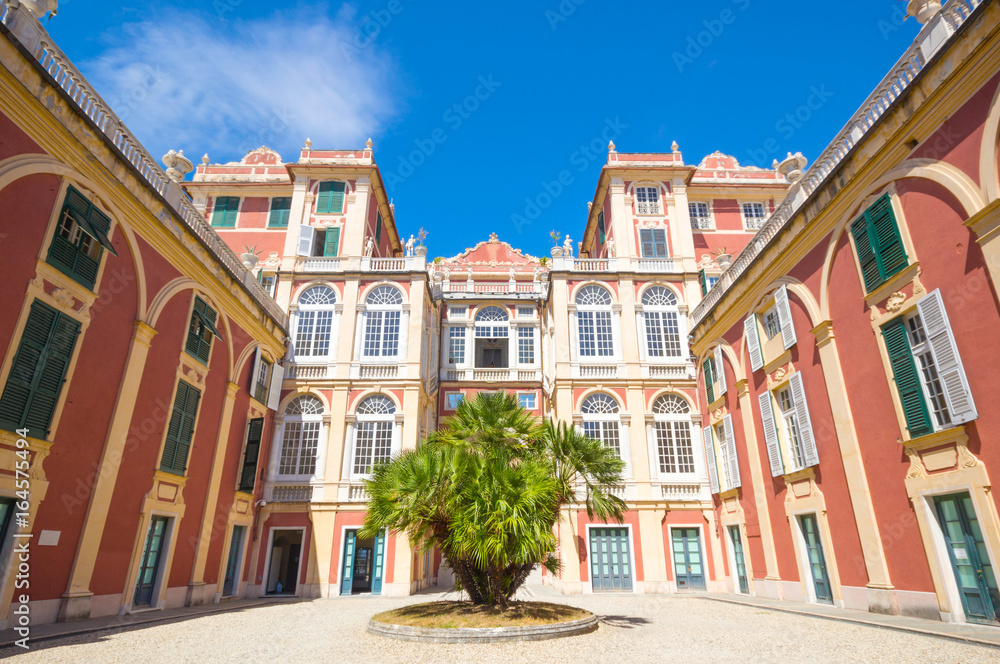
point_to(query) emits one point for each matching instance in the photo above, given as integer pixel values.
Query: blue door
(610, 563)
(364, 564)
(149, 565)
(347, 576)
(817, 561)
(741, 566)
(970, 562)
(686, 545)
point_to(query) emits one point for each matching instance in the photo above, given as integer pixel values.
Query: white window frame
(657, 315)
(708, 216)
(311, 418)
(452, 399)
(649, 206)
(314, 312)
(526, 342)
(522, 396)
(368, 333)
(526, 312)
(747, 225)
(602, 422)
(376, 419)
(457, 335)
(593, 310)
(673, 418)
(923, 360)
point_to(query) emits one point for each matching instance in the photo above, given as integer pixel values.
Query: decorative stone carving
(707, 263)
(895, 302)
(178, 166)
(875, 314)
(64, 298)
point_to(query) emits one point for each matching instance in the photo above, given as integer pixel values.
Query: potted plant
(249, 256)
(557, 250)
(723, 258)
(420, 249)
(543, 261)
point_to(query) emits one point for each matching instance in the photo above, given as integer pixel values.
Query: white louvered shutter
(713, 475)
(720, 371)
(771, 435)
(306, 235)
(753, 343)
(256, 369)
(274, 390)
(785, 317)
(734, 466)
(946, 358)
(806, 437)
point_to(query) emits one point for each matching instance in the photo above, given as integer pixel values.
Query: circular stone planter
(483, 634)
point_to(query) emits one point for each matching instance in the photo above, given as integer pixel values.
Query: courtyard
(633, 628)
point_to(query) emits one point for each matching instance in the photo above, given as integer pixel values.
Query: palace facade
(776, 354)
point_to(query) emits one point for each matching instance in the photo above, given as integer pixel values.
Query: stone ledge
(483, 634)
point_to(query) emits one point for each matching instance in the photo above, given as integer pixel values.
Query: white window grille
(456, 345)
(525, 312)
(929, 377)
(647, 200)
(314, 325)
(373, 433)
(383, 312)
(526, 345)
(672, 425)
(787, 404)
(663, 335)
(300, 437)
(528, 400)
(754, 216)
(492, 323)
(594, 324)
(701, 217)
(601, 418)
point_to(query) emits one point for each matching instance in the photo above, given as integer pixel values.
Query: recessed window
(330, 198)
(300, 437)
(791, 426)
(672, 427)
(525, 312)
(701, 218)
(772, 324)
(647, 200)
(456, 345)
(314, 322)
(492, 330)
(453, 399)
(654, 242)
(268, 281)
(281, 208)
(527, 400)
(225, 210)
(601, 418)
(458, 312)
(754, 216)
(80, 237)
(383, 313)
(525, 345)
(201, 330)
(594, 324)
(373, 433)
(260, 381)
(929, 376)
(659, 309)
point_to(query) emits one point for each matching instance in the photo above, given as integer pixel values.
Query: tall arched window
(314, 326)
(373, 433)
(383, 312)
(492, 338)
(601, 420)
(672, 428)
(300, 437)
(593, 315)
(663, 332)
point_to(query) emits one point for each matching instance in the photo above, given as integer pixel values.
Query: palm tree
(487, 489)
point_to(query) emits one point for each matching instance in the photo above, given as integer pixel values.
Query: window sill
(892, 284)
(781, 360)
(949, 435)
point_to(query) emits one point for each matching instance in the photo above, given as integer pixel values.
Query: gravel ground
(633, 629)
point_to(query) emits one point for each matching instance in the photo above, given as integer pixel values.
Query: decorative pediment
(718, 161)
(262, 156)
(492, 252)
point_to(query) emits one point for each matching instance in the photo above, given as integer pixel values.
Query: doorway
(610, 560)
(739, 561)
(283, 570)
(151, 562)
(230, 584)
(363, 564)
(688, 564)
(816, 559)
(492, 353)
(970, 561)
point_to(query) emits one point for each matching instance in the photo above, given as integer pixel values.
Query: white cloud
(203, 84)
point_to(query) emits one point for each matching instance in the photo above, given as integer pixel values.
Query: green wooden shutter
(378, 564)
(882, 224)
(347, 575)
(378, 229)
(647, 243)
(703, 279)
(38, 372)
(332, 244)
(180, 431)
(280, 212)
(68, 256)
(866, 254)
(904, 373)
(249, 474)
(709, 380)
(225, 211)
(199, 345)
(331, 198)
(601, 231)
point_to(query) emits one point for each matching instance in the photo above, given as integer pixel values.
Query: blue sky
(476, 108)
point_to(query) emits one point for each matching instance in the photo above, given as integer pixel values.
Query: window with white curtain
(373, 429)
(594, 322)
(300, 437)
(663, 334)
(314, 322)
(383, 313)
(601, 419)
(672, 426)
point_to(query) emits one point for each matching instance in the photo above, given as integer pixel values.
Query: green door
(379, 564)
(610, 564)
(230, 583)
(149, 566)
(686, 545)
(347, 577)
(977, 583)
(741, 566)
(817, 561)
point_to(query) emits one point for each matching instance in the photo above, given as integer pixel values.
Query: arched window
(601, 419)
(663, 333)
(672, 427)
(373, 431)
(383, 311)
(594, 322)
(647, 200)
(492, 323)
(315, 322)
(300, 437)
(492, 330)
